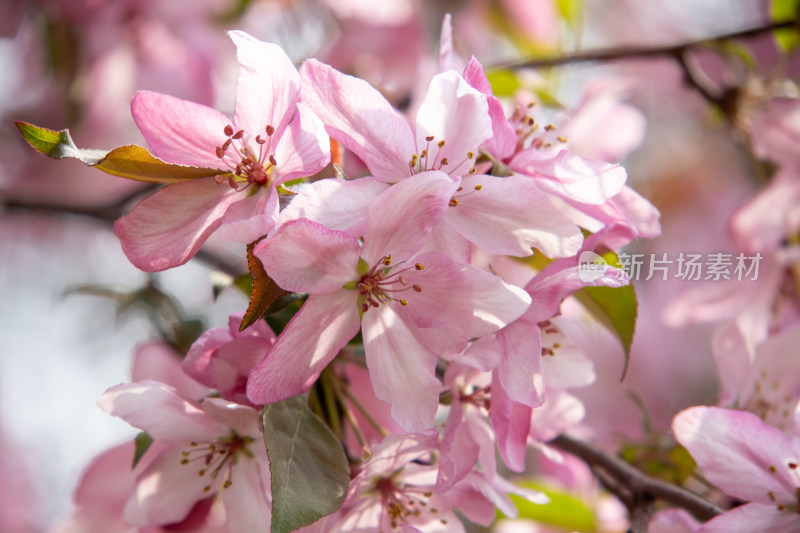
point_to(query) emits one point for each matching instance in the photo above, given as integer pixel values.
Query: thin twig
(612, 54)
(640, 487)
(108, 215)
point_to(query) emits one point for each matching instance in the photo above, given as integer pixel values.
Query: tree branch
(636, 489)
(612, 54)
(108, 215)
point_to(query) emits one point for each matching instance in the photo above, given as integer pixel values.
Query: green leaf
(780, 10)
(503, 82)
(570, 11)
(564, 510)
(310, 473)
(142, 441)
(130, 161)
(615, 308)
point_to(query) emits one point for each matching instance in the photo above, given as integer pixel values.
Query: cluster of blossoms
(408, 278)
(400, 263)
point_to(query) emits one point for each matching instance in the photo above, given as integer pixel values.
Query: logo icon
(591, 266)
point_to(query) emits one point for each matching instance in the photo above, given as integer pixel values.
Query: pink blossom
(413, 306)
(271, 140)
(451, 124)
(747, 459)
(212, 449)
(222, 358)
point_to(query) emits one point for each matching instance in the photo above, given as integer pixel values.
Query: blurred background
(73, 311)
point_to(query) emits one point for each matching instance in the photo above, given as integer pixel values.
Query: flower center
(526, 127)
(248, 168)
(379, 284)
(402, 502)
(216, 457)
(427, 160)
(785, 506)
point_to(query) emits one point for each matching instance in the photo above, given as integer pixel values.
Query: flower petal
(308, 343)
(509, 216)
(571, 176)
(734, 446)
(166, 491)
(305, 256)
(158, 410)
(402, 369)
(250, 218)
(455, 113)
(753, 517)
(167, 228)
(359, 117)
(503, 142)
(267, 89)
(337, 204)
(304, 149)
(179, 131)
(520, 369)
(400, 219)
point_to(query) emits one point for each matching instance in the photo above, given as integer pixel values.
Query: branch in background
(636, 490)
(109, 214)
(612, 54)
(676, 51)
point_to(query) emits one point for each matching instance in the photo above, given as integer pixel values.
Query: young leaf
(562, 511)
(787, 38)
(130, 161)
(615, 308)
(142, 441)
(264, 291)
(310, 474)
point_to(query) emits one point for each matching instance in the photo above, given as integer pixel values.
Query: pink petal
(310, 341)
(166, 491)
(267, 89)
(753, 517)
(402, 369)
(247, 500)
(736, 449)
(158, 410)
(167, 228)
(495, 302)
(570, 176)
(304, 149)
(448, 59)
(250, 218)
(459, 451)
(503, 142)
(770, 216)
(527, 218)
(359, 117)
(511, 422)
(520, 370)
(456, 113)
(401, 217)
(158, 361)
(179, 131)
(304, 256)
(337, 204)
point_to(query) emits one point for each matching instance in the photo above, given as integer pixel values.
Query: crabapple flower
(214, 448)
(409, 307)
(747, 459)
(395, 492)
(499, 215)
(271, 140)
(222, 358)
